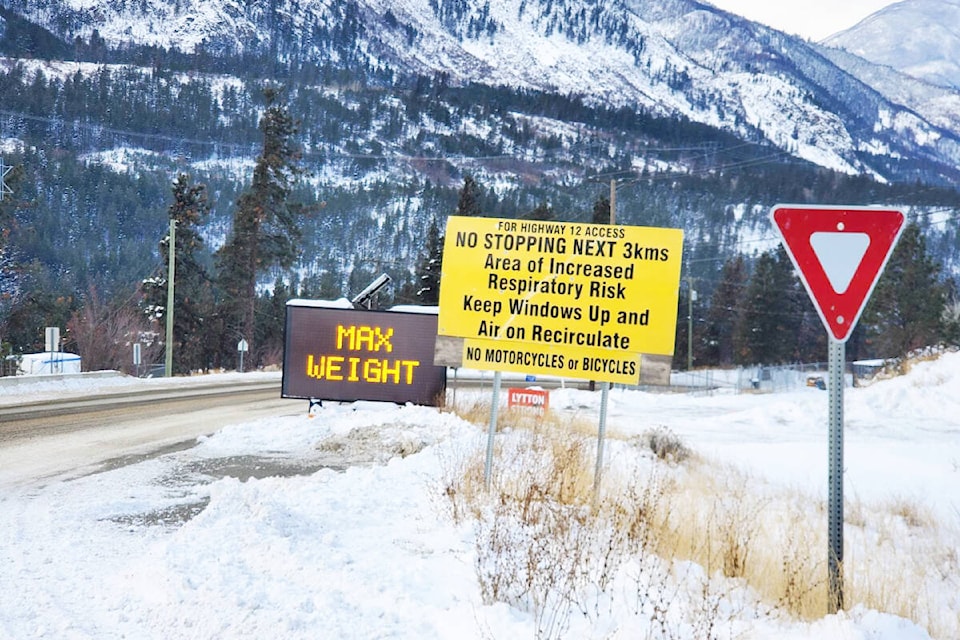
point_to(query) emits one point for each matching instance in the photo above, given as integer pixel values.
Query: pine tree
(430, 267)
(266, 223)
(770, 323)
(951, 314)
(426, 287)
(906, 309)
(543, 211)
(724, 312)
(601, 211)
(271, 318)
(471, 194)
(43, 307)
(192, 296)
(11, 279)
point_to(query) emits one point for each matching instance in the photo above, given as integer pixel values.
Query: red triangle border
(797, 224)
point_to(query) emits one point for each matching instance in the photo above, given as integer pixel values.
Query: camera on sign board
(365, 297)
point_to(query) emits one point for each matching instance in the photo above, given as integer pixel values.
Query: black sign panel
(347, 354)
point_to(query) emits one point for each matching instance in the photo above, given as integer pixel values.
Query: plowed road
(76, 434)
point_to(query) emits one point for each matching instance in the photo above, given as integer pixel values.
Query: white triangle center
(839, 254)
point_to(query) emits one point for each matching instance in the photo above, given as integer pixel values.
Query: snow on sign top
(840, 253)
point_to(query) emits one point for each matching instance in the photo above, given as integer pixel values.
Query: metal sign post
(137, 356)
(242, 348)
(836, 356)
(601, 434)
(52, 346)
(494, 406)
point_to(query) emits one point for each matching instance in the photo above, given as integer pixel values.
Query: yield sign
(840, 253)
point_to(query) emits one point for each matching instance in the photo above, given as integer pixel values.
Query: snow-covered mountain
(677, 58)
(920, 38)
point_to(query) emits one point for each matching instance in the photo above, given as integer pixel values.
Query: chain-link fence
(764, 378)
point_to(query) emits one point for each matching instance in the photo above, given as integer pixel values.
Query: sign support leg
(604, 398)
(494, 406)
(835, 475)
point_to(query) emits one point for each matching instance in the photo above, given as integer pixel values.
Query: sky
(361, 542)
(814, 19)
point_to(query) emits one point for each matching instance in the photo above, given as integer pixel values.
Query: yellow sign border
(563, 285)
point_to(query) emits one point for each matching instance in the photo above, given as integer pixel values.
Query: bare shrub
(535, 541)
(912, 513)
(105, 333)
(665, 445)
(461, 483)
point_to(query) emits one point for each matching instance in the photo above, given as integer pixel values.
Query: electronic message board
(594, 295)
(347, 354)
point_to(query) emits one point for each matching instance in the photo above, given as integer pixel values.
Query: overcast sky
(813, 19)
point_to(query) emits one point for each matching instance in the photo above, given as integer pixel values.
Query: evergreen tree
(951, 314)
(266, 223)
(324, 285)
(601, 211)
(723, 313)
(429, 269)
(43, 307)
(10, 276)
(471, 194)
(543, 211)
(271, 318)
(425, 289)
(770, 322)
(906, 309)
(192, 294)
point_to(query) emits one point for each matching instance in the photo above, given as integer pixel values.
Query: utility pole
(689, 324)
(171, 264)
(613, 202)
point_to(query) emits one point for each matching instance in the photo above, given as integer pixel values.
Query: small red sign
(537, 398)
(840, 253)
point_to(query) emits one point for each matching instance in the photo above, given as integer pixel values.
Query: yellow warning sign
(569, 286)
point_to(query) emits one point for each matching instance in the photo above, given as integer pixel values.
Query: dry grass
(898, 558)
(547, 544)
(731, 524)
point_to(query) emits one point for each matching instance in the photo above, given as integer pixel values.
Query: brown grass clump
(548, 544)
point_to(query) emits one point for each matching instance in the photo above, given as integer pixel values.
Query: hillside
(916, 37)
(677, 59)
(704, 121)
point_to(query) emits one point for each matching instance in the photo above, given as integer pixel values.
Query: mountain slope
(938, 105)
(920, 38)
(677, 58)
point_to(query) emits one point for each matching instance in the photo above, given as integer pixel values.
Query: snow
(335, 526)
(880, 39)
